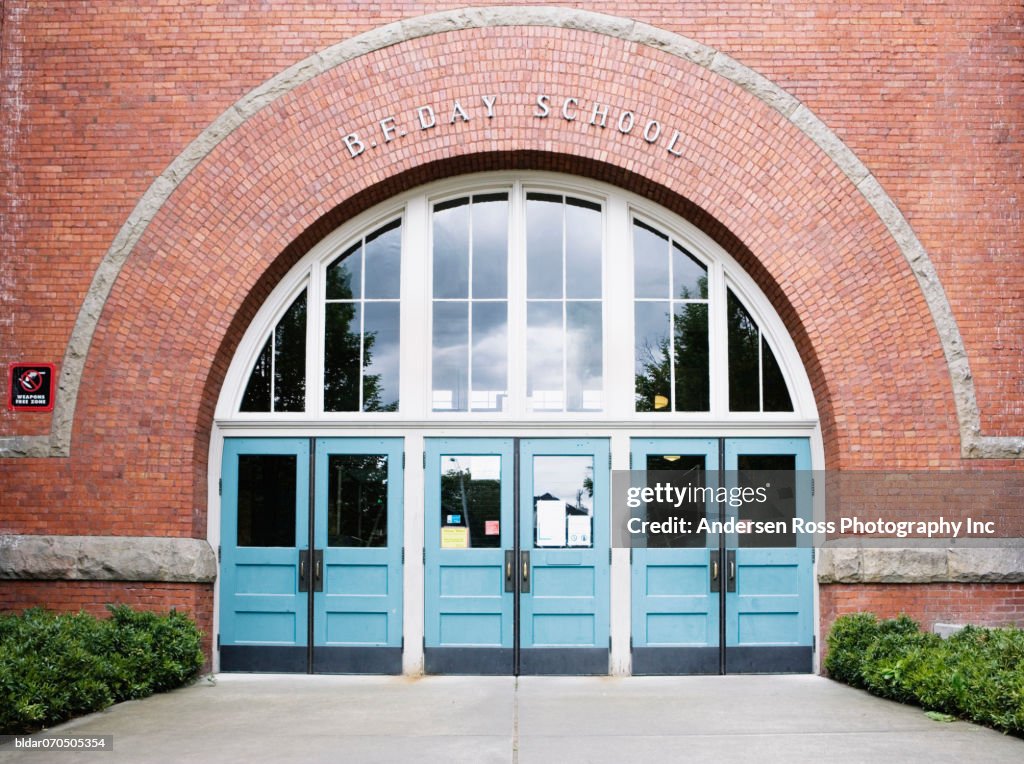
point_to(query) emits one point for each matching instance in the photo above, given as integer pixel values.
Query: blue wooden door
(502, 602)
(469, 544)
(564, 554)
(311, 555)
(357, 534)
(675, 605)
(264, 525)
(769, 577)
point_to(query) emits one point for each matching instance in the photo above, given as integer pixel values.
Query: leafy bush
(976, 674)
(56, 666)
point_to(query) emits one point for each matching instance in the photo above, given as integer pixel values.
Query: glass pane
(582, 249)
(650, 262)
(490, 356)
(544, 351)
(775, 393)
(341, 356)
(584, 362)
(380, 356)
(343, 275)
(653, 360)
(470, 502)
(451, 249)
(776, 474)
(689, 276)
(693, 381)
(290, 358)
(357, 500)
(543, 246)
(744, 337)
(563, 501)
(451, 356)
(383, 262)
(266, 499)
(679, 470)
(490, 246)
(257, 391)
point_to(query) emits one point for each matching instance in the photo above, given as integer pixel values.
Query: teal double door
(517, 551)
(717, 601)
(311, 555)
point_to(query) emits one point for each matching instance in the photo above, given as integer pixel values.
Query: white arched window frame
(618, 211)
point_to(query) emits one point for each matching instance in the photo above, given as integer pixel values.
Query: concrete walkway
(251, 719)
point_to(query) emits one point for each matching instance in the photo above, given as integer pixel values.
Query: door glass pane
(490, 246)
(543, 246)
(470, 501)
(692, 366)
(545, 356)
(380, 356)
(451, 249)
(266, 499)
(451, 356)
(653, 361)
(679, 471)
(341, 356)
(357, 500)
(584, 356)
(776, 475)
(490, 356)
(563, 501)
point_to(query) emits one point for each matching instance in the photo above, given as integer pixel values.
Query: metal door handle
(318, 565)
(303, 580)
(510, 562)
(524, 585)
(731, 557)
(716, 581)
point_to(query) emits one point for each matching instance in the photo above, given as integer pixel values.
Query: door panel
(264, 525)
(564, 541)
(675, 613)
(358, 527)
(469, 526)
(769, 605)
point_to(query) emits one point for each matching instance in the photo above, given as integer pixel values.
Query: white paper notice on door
(578, 530)
(550, 522)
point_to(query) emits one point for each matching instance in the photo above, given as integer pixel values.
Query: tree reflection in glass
(471, 497)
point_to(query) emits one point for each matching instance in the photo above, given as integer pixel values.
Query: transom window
(529, 297)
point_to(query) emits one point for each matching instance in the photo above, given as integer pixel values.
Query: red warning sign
(31, 387)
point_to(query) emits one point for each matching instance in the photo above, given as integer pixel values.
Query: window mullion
(719, 339)
(517, 370)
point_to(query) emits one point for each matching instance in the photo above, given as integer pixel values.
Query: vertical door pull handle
(731, 557)
(524, 581)
(716, 580)
(303, 572)
(510, 567)
(714, 570)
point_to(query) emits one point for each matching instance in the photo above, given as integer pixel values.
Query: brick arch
(760, 131)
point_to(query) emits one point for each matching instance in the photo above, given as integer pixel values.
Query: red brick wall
(93, 597)
(980, 604)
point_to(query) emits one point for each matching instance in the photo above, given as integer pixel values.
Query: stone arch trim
(973, 443)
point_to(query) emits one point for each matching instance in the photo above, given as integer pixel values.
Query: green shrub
(56, 666)
(976, 674)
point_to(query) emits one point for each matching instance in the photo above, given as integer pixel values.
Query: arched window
(531, 297)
